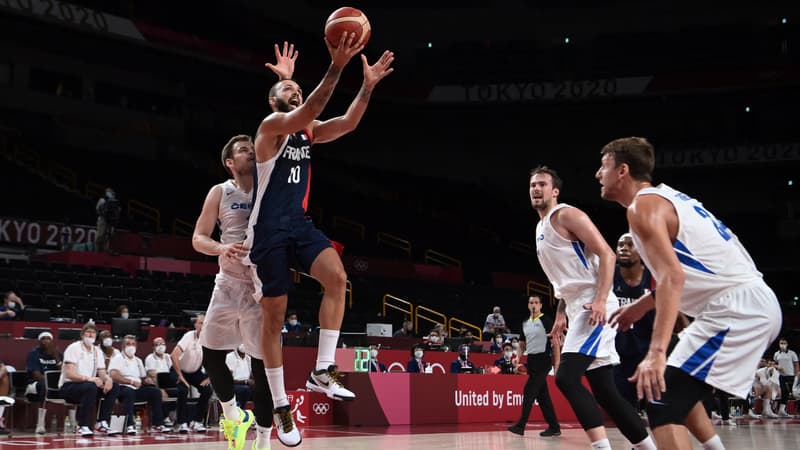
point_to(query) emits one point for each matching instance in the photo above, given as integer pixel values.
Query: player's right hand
(234, 252)
(558, 330)
(342, 54)
(626, 316)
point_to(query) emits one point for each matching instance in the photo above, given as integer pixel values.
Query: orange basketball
(350, 20)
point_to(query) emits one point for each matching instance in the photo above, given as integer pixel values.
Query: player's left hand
(284, 61)
(376, 72)
(649, 376)
(598, 309)
(235, 251)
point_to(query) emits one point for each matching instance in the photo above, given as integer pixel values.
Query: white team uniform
(573, 273)
(233, 317)
(736, 315)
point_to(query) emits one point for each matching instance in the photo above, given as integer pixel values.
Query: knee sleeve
(218, 372)
(262, 398)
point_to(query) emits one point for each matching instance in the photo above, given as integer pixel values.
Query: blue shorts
(280, 243)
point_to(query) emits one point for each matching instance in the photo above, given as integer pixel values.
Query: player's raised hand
(284, 61)
(342, 53)
(381, 68)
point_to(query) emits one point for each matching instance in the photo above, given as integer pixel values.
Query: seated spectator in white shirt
(495, 323)
(239, 364)
(84, 379)
(187, 359)
(136, 386)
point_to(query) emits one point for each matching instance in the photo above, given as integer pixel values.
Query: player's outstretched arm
(278, 124)
(337, 127)
(284, 61)
(201, 238)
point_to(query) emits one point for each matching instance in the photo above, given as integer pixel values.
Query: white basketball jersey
(569, 267)
(234, 211)
(712, 257)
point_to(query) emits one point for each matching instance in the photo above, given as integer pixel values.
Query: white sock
(646, 444)
(602, 444)
(276, 387)
(715, 443)
(326, 353)
(2, 410)
(229, 409)
(262, 436)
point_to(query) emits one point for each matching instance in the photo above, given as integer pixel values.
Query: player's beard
(629, 263)
(283, 106)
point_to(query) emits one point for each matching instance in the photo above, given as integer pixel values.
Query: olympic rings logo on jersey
(321, 408)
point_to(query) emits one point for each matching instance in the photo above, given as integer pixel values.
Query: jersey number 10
(294, 175)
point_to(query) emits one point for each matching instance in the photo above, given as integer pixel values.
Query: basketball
(350, 20)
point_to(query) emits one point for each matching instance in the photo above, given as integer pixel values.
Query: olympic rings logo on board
(321, 408)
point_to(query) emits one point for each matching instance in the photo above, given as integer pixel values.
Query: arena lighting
(566, 40)
(784, 20)
(430, 44)
(746, 109)
(790, 183)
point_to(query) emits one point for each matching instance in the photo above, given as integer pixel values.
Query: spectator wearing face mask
(416, 364)
(374, 364)
(495, 323)
(435, 340)
(135, 385)
(238, 363)
(12, 306)
(788, 367)
(106, 345)
(292, 325)
(506, 362)
(462, 364)
(497, 344)
(157, 362)
(122, 312)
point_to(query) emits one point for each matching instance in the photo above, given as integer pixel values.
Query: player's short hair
(227, 150)
(557, 182)
(273, 90)
(637, 152)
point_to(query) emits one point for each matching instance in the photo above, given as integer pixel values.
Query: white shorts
(233, 317)
(725, 342)
(595, 341)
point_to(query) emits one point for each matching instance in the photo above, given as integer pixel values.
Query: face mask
(515, 345)
(418, 354)
(88, 341)
(107, 342)
(499, 341)
(434, 339)
(240, 348)
(508, 354)
(109, 194)
(11, 305)
(161, 349)
(496, 315)
(292, 322)
(124, 315)
(373, 353)
(130, 350)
